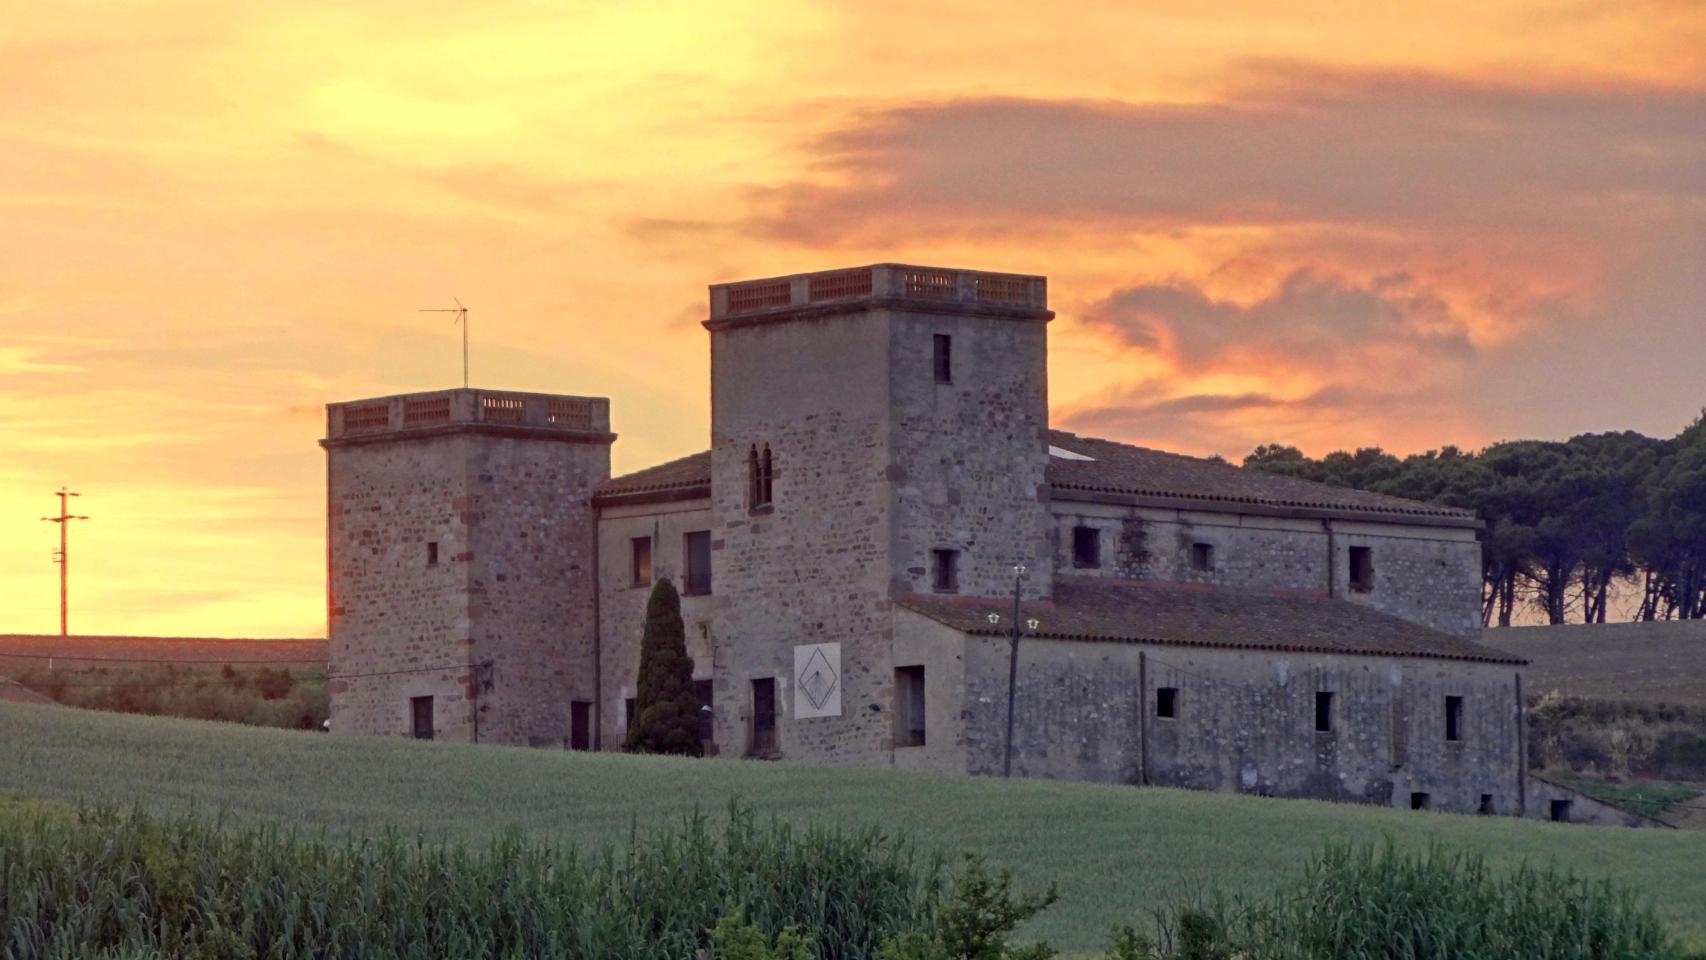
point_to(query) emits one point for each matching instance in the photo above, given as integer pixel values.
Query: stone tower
(460, 566)
(875, 432)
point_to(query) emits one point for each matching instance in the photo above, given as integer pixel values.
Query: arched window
(754, 492)
(767, 475)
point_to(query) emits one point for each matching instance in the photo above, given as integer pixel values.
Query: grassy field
(1114, 851)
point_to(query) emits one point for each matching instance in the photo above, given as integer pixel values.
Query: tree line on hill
(1568, 524)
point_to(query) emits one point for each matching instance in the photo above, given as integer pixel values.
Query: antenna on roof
(462, 318)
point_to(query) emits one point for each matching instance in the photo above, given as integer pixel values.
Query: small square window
(1419, 801)
(1167, 703)
(432, 553)
(1486, 807)
(1560, 811)
(641, 565)
(1086, 547)
(1202, 557)
(1324, 712)
(1362, 569)
(943, 357)
(946, 575)
(1454, 718)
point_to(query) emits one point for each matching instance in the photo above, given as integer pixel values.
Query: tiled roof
(1110, 467)
(1106, 467)
(1099, 608)
(687, 478)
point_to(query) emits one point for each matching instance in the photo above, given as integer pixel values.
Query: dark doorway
(1561, 811)
(763, 717)
(420, 717)
(580, 725)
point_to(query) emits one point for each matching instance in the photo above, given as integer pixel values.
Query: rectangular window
(1454, 718)
(580, 725)
(432, 553)
(1167, 703)
(1362, 569)
(909, 706)
(1418, 801)
(944, 358)
(630, 707)
(420, 717)
(641, 566)
(763, 717)
(707, 726)
(1560, 811)
(696, 554)
(1202, 557)
(1324, 712)
(1486, 807)
(946, 576)
(1086, 547)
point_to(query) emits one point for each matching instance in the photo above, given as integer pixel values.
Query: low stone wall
(1548, 800)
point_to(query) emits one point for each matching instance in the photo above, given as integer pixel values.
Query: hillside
(1113, 850)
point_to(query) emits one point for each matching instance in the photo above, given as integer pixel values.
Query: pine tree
(666, 710)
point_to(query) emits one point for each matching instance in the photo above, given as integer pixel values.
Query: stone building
(881, 469)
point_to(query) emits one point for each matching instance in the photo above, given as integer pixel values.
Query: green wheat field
(1114, 851)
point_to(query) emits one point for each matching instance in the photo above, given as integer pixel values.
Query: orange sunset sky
(1318, 223)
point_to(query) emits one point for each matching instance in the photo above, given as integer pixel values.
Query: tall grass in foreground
(128, 885)
(1442, 905)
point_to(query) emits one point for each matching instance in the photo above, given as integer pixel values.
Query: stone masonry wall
(512, 586)
(1427, 575)
(814, 567)
(968, 458)
(531, 582)
(1246, 722)
(392, 615)
(622, 604)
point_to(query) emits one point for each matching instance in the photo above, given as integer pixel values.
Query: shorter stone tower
(460, 540)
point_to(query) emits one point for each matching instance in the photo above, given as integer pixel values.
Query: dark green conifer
(666, 711)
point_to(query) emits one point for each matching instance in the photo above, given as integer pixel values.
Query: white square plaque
(817, 680)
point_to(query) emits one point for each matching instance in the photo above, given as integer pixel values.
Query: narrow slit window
(946, 575)
(1202, 557)
(1454, 718)
(1362, 569)
(1324, 712)
(641, 563)
(943, 357)
(432, 553)
(761, 472)
(1167, 703)
(630, 709)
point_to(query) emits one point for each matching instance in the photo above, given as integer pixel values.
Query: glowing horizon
(1318, 226)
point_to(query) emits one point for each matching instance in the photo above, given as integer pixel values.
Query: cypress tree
(666, 711)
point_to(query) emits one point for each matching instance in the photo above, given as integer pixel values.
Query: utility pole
(462, 318)
(1013, 636)
(63, 557)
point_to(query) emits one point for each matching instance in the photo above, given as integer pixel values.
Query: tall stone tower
(875, 432)
(460, 571)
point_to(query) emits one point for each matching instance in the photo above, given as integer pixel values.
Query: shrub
(666, 710)
(981, 912)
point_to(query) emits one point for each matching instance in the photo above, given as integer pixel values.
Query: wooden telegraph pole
(63, 557)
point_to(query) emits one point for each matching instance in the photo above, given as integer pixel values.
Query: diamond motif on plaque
(817, 680)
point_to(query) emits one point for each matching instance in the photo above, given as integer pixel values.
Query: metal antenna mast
(462, 318)
(63, 556)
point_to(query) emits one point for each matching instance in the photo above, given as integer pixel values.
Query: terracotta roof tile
(1113, 467)
(1099, 608)
(686, 478)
